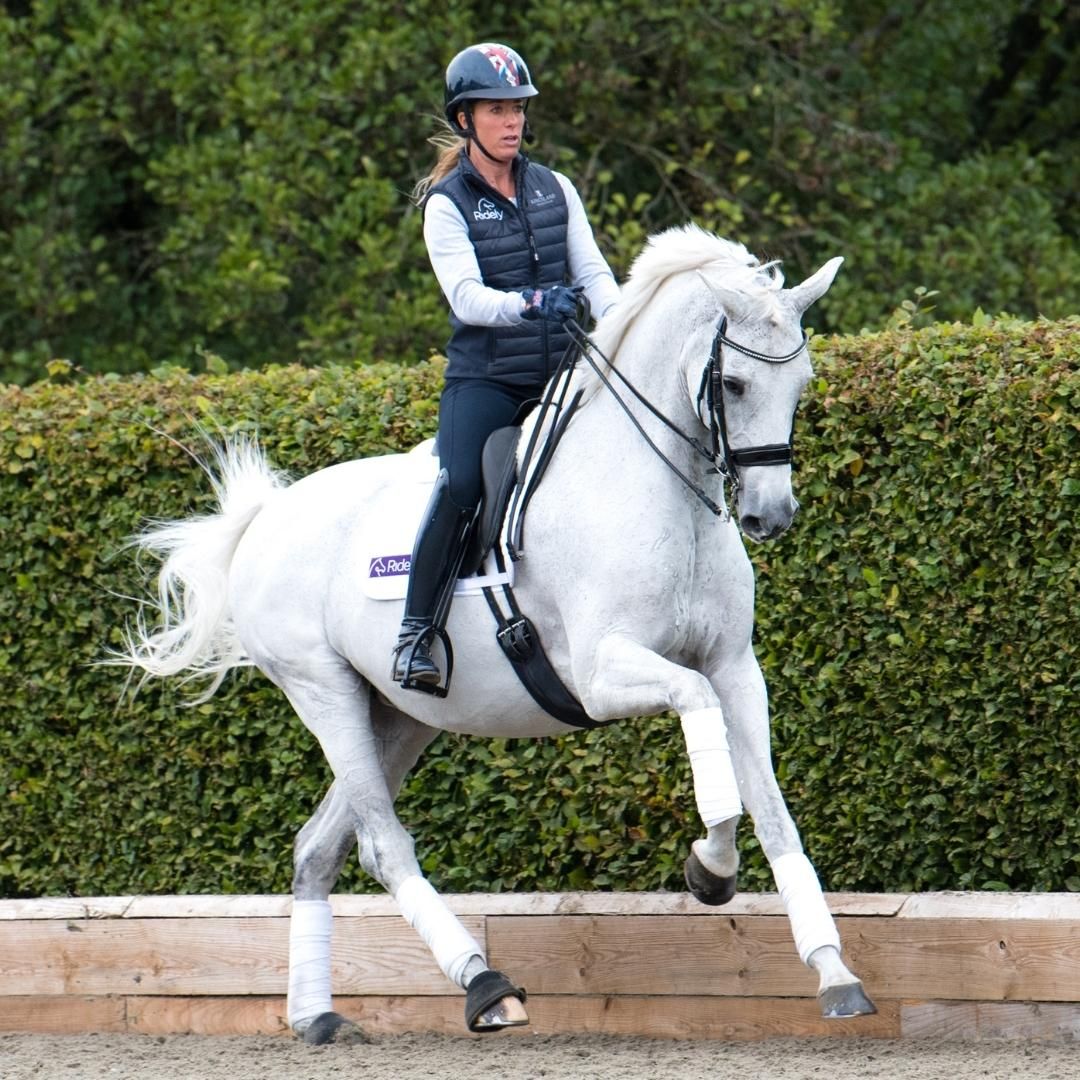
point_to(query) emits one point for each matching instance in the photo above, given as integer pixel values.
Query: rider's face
(498, 126)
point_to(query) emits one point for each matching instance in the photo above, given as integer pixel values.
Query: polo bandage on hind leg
(715, 787)
(450, 943)
(800, 891)
(309, 960)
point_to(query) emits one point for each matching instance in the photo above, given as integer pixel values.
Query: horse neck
(648, 358)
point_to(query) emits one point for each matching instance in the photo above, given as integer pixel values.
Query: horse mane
(678, 250)
(688, 248)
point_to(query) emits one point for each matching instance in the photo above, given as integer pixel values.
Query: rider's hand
(556, 304)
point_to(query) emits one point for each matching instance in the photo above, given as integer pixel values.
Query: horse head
(757, 371)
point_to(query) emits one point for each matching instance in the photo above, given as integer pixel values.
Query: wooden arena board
(942, 965)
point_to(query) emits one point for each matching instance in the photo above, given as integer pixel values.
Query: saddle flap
(386, 536)
(498, 465)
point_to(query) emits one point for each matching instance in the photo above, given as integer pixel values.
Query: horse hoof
(507, 1012)
(704, 885)
(493, 1002)
(838, 1002)
(331, 1027)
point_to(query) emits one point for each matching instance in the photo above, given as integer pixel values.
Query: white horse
(641, 593)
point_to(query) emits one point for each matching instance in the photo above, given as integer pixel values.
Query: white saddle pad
(393, 518)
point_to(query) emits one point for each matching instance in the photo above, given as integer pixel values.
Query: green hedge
(917, 629)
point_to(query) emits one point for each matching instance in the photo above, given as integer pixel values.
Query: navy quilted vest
(517, 247)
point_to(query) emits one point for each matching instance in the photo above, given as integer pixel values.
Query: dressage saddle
(516, 635)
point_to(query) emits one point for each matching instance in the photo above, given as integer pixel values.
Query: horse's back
(288, 567)
(323, 503)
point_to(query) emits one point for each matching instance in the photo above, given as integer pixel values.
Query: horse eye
(735, 387)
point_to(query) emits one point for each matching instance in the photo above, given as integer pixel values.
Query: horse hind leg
(492, 1002)
(319, 854)
(370, 748)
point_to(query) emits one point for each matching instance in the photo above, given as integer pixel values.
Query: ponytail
(449, 146)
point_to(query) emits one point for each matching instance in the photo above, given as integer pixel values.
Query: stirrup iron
(406, 653)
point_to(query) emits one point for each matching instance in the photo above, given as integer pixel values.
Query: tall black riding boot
(436, 559)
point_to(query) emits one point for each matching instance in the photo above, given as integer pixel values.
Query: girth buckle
(516, 638)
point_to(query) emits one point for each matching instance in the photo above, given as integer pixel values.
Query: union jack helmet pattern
(488, 71)
(506, 62)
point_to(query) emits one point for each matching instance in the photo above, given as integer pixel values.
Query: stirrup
(425, 637)
(418, 663)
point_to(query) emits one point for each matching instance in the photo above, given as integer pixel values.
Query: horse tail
(187, 628)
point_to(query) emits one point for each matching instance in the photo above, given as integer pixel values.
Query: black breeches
(469, 411)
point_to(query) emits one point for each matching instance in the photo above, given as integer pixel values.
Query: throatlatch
(722, 457)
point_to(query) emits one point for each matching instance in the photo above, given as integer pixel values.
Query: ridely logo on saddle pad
(389, 565)
(386, 536)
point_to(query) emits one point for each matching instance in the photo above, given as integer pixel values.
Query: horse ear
(815, 286)
(731, 300)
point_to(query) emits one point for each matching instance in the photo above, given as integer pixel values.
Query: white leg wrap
(811, 924)
(715, 788)
(309, 960)
(451, 944)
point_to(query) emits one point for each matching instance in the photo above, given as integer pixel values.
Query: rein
(722, 457)
(586, 347)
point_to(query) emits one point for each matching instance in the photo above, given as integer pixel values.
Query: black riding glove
(556, 304)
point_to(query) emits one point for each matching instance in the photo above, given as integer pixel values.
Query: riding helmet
(487, 72)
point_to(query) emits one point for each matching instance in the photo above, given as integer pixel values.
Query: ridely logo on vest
(486, 210)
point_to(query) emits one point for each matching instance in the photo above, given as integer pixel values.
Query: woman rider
(512, 249)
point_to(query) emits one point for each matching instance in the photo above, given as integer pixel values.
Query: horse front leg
(712, 867)
(725, 721)
(743, 697)
(628, 679)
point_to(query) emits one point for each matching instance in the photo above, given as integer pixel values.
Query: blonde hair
(449, 145)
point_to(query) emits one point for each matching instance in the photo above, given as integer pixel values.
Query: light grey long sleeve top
(453, 259)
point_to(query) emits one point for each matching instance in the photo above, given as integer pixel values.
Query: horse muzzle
(764, 519)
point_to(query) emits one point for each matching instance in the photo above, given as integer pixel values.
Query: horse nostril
(751, 524)
(757, 528)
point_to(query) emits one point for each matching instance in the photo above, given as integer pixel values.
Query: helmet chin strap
(470, 136)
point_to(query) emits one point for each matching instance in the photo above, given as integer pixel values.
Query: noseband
(711, 391)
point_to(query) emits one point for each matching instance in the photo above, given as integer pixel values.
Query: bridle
(711, 392)
(724, 459)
